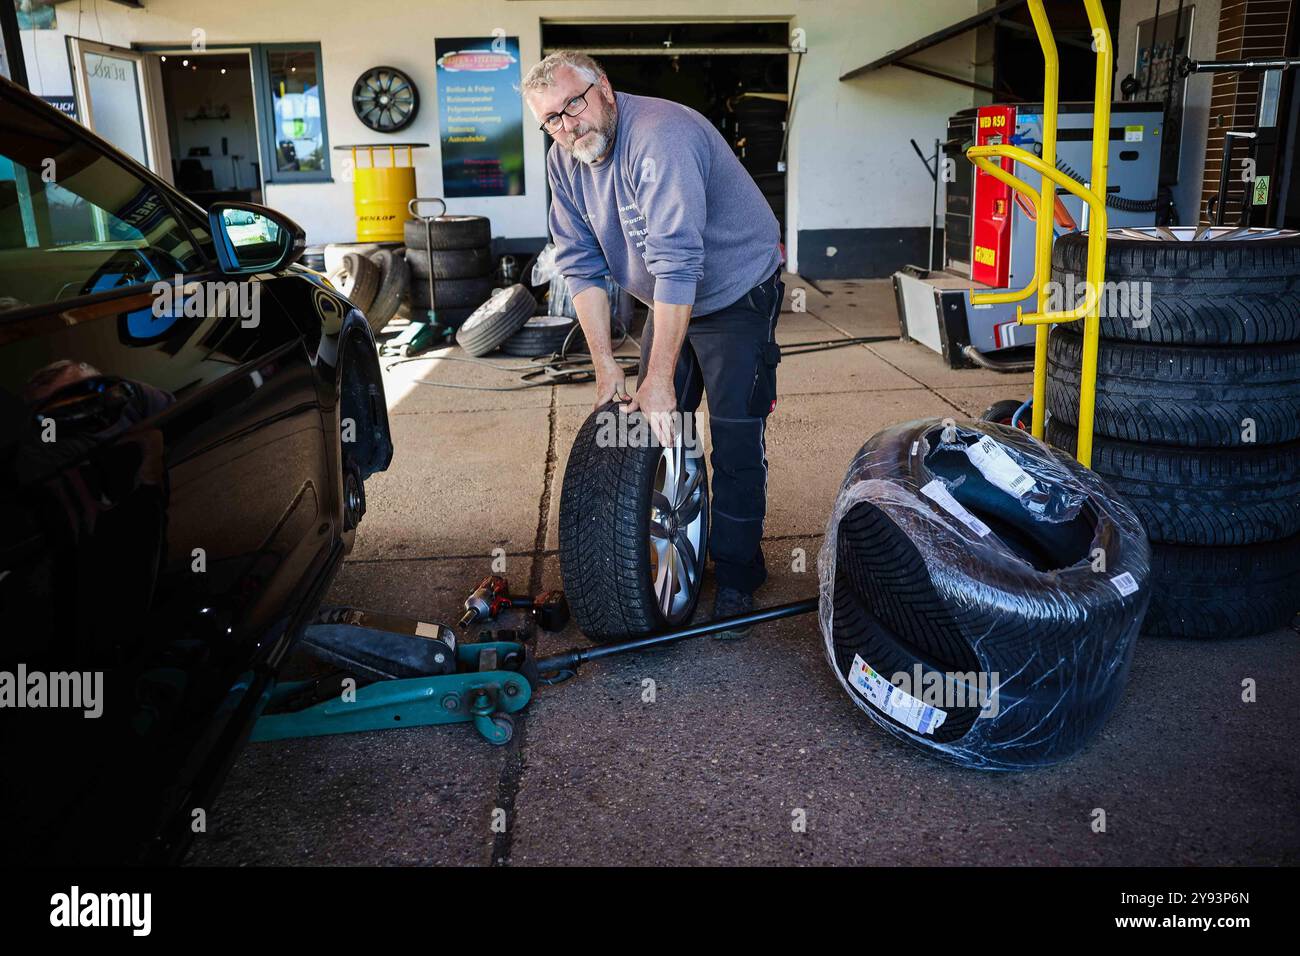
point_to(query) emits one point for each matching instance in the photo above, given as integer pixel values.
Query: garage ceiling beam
(959, 80)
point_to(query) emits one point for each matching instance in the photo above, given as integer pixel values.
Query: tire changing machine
(966, 311)
(422, 676)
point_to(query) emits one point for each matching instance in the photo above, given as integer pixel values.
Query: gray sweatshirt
(670, 213)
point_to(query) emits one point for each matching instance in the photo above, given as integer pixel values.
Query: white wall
(1196, 111)
(851, 165)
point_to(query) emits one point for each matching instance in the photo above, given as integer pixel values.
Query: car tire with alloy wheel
(496, 320)
(541, 335)
(1188, 285)
(634, 527)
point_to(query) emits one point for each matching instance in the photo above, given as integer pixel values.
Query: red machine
(991, 226)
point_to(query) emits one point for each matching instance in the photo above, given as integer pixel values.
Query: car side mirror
(252, 238)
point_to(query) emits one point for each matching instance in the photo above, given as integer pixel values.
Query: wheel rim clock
(385, 99)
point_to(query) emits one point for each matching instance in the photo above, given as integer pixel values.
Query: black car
(186, 422)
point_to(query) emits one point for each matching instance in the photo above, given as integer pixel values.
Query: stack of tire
(457, 251)
(374, 281)
(1197, 420)
(933, 570)
(758, 122)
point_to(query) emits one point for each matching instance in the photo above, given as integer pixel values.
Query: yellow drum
(381, 192)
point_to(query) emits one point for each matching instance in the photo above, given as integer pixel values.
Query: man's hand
(656, 399)
(611, 383)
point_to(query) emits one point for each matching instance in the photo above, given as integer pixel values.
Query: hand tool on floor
(549, 609)
(410, 686)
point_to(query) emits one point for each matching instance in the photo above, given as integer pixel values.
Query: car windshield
(75, 222)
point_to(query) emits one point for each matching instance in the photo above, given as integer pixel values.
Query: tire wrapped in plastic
(981, 592)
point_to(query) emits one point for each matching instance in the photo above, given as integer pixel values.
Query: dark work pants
(731, 356)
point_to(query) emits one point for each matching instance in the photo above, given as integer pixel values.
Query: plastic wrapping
(981, 592)
(544, 267)
(559, 300)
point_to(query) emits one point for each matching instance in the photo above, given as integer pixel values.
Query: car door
(162, 462)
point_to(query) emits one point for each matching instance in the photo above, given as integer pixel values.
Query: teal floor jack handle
(421, 676)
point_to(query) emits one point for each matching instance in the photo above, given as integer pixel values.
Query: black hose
(1114, 201)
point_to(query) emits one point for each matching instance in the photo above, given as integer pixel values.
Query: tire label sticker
(1124, 583)
(938, 492)
(997, 466)
(893, 701)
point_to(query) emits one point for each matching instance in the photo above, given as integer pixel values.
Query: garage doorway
(735, 74)
(211, 123)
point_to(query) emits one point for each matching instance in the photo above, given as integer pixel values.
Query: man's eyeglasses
(575, 106)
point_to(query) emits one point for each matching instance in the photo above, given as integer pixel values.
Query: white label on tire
(938, 492)
(894, 702)
(1124, 583)
(997, 466)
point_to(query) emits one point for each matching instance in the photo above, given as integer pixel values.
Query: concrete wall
(853, 174)
(1205, 33)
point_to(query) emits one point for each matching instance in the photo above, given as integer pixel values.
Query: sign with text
(480, 116)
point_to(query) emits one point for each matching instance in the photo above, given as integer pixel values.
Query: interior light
(185, 62)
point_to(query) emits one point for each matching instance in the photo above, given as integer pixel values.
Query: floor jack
(419, 674)
(426, 331)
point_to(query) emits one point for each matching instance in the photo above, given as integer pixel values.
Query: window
(74, 222)
(296, 143)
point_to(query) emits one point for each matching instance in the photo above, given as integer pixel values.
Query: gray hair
(542, 76)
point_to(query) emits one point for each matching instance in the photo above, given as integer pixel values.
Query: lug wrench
(560, 667)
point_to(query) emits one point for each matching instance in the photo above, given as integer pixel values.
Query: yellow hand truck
(1093, 194)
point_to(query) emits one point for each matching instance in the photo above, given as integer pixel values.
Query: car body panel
(175, 535)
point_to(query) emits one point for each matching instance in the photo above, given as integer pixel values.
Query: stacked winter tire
(457, 251)
(963, 558)
(1197, 419)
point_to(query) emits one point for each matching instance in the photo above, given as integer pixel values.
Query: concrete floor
(739, 735)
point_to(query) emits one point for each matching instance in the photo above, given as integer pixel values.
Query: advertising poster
(480, 116)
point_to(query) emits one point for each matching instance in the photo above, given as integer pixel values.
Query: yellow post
(1096, 225)
(1047, 207)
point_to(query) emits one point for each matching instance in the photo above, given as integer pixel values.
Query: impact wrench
(550, 609)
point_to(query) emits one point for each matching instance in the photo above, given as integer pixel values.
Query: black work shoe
(731, 603)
